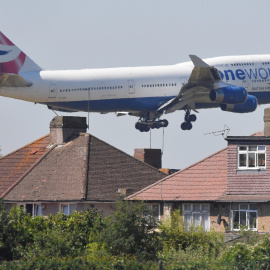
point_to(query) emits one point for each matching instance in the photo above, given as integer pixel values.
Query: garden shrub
(132, 231)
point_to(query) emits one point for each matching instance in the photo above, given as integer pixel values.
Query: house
(225, 191)
(70, 169)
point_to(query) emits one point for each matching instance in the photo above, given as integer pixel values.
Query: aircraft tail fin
(12, 59)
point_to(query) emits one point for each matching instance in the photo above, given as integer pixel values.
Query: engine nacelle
(229, 95)
(249, 106)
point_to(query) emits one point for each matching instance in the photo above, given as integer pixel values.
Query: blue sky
(95, 34)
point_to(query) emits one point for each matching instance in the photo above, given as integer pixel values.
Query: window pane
(196, 208)
(206, 221)
(197, 219)
(253, 207)
(251, 160)
(235, 206)
(244, 206)
(72, 208)
(261, 160)
(29, 209)
(252, 148)
(242, 160)
(65, 209)
(38, 210)
(243, 218)
(155, 211)
(205, 208)
(187, 221)
(187, 207)
(243, 148)
(261, 148)
(252, 220)
(235, 220)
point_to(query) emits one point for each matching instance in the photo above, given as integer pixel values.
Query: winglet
(198, 62)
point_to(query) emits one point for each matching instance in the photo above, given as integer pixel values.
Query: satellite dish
(219, 219)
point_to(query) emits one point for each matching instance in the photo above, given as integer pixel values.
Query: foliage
(129, 239)
(60, 235)
(131, 231)
(173, 235)
(247, 256)
(16, 232)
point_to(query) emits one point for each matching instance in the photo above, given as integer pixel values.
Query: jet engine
(249, 106)
(229, 95)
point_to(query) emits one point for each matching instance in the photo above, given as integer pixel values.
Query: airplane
(233, 83)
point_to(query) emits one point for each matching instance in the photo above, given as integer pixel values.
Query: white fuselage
(136, 89)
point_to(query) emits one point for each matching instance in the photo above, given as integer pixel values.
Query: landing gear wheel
(142, 127)
(189, 126)
(164, 123)
(192, 118)
(186, 126)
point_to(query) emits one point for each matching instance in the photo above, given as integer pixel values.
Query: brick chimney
(149, 156)
(62, 128)
(266, 120)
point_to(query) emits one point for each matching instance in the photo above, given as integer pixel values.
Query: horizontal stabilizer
(13, 80)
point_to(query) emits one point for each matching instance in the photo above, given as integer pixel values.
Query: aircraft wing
(13, 80)
(202, 80)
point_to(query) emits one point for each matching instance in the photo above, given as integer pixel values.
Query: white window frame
(256, 153)
(69, 205)
(193, 212)
(244, 209)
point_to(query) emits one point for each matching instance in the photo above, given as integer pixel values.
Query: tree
(131, 231)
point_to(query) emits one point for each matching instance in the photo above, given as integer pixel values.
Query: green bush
(22, 236)
(80, 263)
(65, 235)
(173, 235)
(131, 231)
(247, 256)
(17, 231)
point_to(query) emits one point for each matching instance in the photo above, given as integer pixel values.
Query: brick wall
(149, 156)
(224, 210)
(264, 217)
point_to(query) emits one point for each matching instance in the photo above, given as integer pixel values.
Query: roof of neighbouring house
(14, 165)
(85, 168)
(206, 180)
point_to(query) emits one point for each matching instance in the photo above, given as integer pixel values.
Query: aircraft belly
(113, 105)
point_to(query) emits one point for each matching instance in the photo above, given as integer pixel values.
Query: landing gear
(144, 126)
(188, 119)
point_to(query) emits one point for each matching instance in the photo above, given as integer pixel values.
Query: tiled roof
(258, 133)
(16, 164)
(203, 181)
(111, 169)
(244, 198)
(85, 168)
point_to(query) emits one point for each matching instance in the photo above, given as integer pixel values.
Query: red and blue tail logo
(12, 59)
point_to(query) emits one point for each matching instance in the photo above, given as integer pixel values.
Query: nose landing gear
(187, 125)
